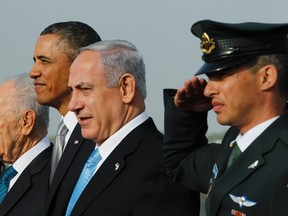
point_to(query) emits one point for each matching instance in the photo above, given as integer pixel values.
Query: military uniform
(246, 187)
(279, 199)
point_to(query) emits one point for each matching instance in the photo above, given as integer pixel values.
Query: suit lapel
(112, 166)
(223, 155)
(102, 178)
(74, 143)
(24, 182)
(247, 163)
(241, 169)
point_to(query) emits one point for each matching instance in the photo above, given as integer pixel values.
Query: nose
(75, 104)
(35, 71)
(211, 89)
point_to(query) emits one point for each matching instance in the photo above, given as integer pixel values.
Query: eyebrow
(82, 84)
(42, 57)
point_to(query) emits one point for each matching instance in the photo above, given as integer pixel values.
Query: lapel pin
(117, 165)
(242, 201)
(253, 165)
(76, 142)
(215, 171)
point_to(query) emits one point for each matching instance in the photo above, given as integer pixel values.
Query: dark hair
(280, 61)
(73, 36)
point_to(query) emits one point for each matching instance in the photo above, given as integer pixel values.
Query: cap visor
(220, 65)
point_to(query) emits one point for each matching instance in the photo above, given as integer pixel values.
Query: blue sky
(159, 28)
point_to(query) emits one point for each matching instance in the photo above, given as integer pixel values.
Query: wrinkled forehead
(87, 67)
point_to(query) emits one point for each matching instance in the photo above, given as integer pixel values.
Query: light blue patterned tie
(8, 174)
(86, 175)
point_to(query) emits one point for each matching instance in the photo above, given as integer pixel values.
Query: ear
(27, 121)
(127, 87)
(268, 76)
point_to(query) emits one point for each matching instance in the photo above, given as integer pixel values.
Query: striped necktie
(58, 147)
(8, 174)
(86, 174)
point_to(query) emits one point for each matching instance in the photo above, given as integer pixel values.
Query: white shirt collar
(245, 141)
(24, 160)
(70, 121)
(112, 142)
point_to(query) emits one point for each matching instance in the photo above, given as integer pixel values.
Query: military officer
(247, 87)
(278, 205)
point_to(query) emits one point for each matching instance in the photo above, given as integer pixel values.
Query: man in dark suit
(247, 88)
(107, 82)
(24, 148)
(55, 50)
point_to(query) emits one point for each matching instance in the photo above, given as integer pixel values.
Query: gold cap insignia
(207, 44)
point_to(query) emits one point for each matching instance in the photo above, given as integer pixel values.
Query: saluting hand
(191, 97)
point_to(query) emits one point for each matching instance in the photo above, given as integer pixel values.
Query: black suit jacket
(279, 200)
(28, 194)
(131, 181)
(72, 161)
(201, 166)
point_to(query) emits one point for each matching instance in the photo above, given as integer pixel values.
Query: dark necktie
(8, 174)
(234, 154)
(86, 175)
(58, 147)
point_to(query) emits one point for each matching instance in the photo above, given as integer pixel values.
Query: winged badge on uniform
(242, 201)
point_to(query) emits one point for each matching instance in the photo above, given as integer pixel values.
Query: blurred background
(159, 28)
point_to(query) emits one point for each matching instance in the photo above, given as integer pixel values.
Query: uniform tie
(86, 175)
(234, 154)
(8, 174)
(58, 147)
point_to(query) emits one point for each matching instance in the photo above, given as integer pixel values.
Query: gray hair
(120, 57)
(26, 98)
